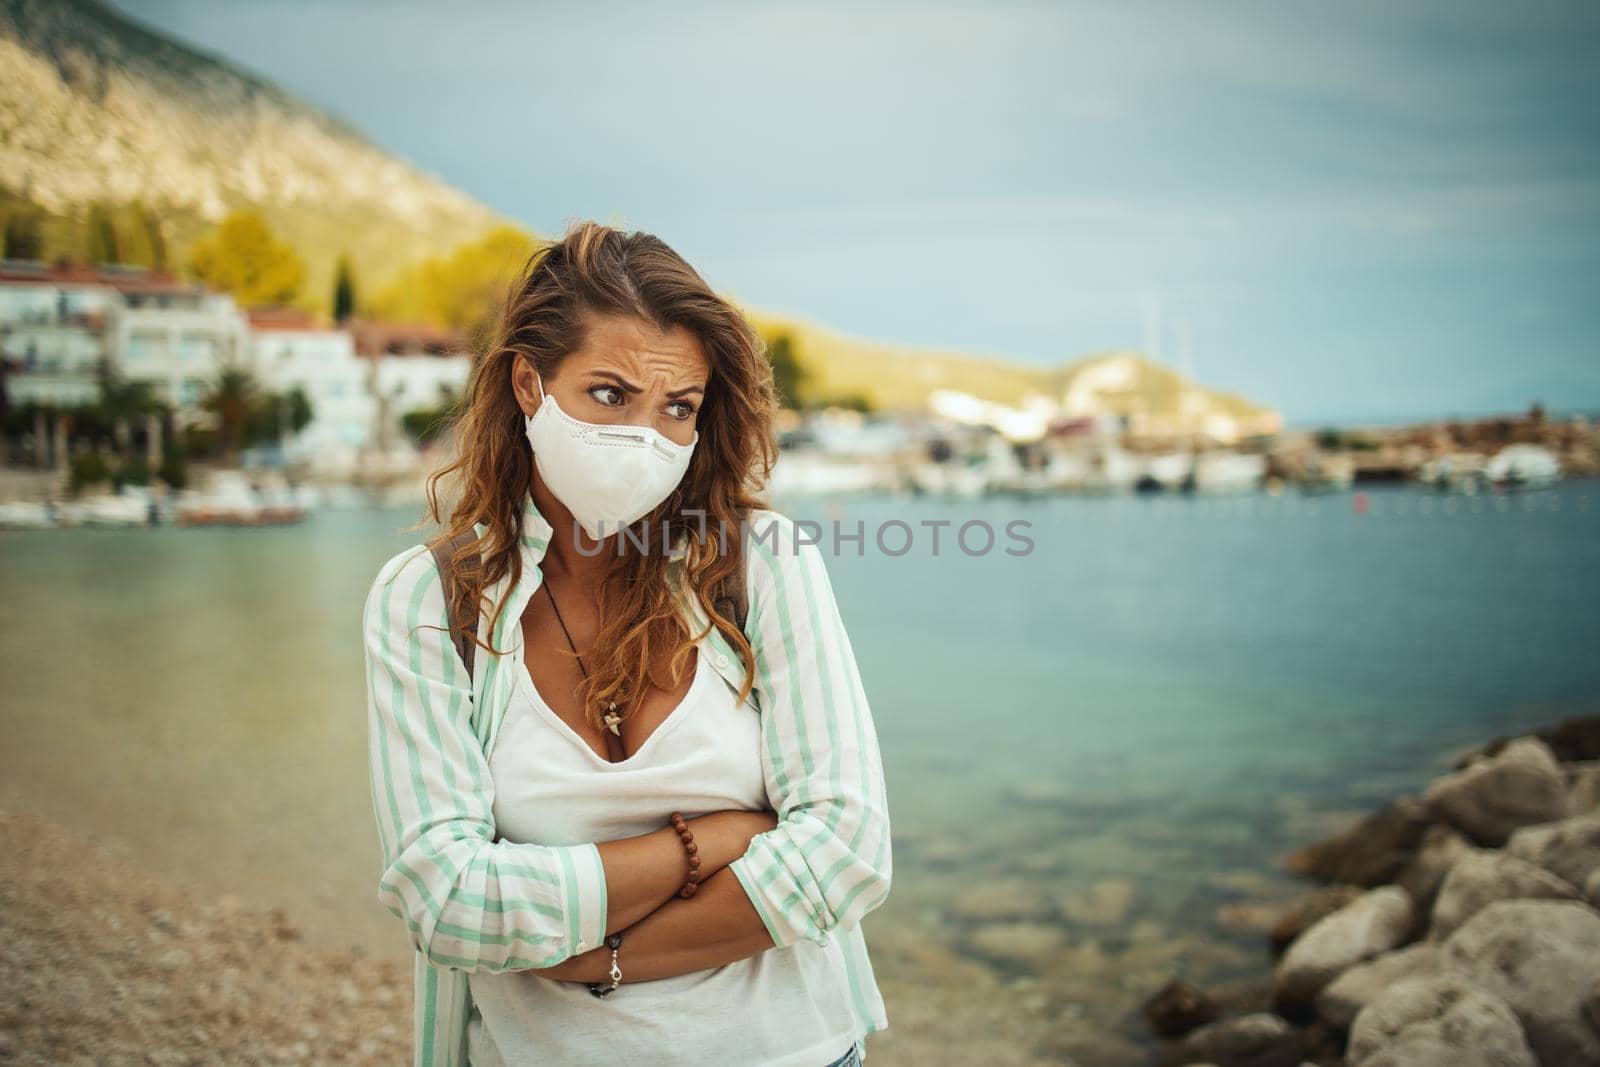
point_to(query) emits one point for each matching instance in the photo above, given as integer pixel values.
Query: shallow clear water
(1165, 691)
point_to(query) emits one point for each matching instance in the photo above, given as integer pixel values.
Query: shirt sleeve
(470, 902)
(828, 862)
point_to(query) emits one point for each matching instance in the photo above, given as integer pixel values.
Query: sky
(1355, 211)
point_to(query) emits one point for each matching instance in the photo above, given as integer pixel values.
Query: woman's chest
(552, 788)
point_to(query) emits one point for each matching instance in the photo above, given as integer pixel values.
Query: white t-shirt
(784, 1007)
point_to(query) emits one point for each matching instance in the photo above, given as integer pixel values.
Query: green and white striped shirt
(472, 903)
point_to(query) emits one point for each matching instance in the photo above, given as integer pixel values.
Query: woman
(635, 831)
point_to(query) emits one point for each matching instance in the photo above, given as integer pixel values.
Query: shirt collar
(536, 530)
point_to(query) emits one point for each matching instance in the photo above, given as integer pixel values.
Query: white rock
(1342, 1000)
(1439, 1020)
(1482, 877)
(1521, 786)
(1569, 849)
(1583, 787)
(1542, 957)
(1372, 924)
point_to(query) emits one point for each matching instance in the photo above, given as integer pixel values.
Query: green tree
(272, 414)
(853, 401)
(142, 242)
(423, 425)
(789, 377)
(136, 250)
(24, 236)
(102, 236)
(155, 237)
(242, 256)
(86, 469)
(174, 468)
(344, 290)
(232, 398)
(133, 470)
(123, 398)
(119, 417)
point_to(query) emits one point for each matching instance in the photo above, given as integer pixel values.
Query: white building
(53, 332)
(416, 382)
(290, 350)
(62, 325)
(179, 339)
(415, 368)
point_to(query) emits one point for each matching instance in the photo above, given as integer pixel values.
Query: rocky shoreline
(1459, 927)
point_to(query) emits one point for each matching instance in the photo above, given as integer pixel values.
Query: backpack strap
(732, 600)
(461, 628)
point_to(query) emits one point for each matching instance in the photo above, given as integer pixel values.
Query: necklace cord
(613, 720)
(564, 630)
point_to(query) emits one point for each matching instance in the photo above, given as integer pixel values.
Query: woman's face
(628, 373)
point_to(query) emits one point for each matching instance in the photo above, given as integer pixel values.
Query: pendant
(614, 720)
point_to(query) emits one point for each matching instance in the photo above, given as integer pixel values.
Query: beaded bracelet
(689, 887)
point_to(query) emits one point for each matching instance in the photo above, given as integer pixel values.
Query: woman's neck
(572, 554)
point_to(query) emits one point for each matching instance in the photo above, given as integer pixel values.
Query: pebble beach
(105, 964)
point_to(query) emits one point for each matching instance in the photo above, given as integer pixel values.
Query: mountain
(1131, 384)
(893, 376)
(95, 107)
(900, 377)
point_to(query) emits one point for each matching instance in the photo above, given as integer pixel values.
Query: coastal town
(131, 397)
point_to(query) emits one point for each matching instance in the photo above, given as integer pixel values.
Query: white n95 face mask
(607, 476)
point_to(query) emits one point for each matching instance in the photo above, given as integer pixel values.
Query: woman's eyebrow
(628, 387)
(618, 380)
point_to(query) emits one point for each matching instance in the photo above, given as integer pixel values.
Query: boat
(131, 506)
(1059, 473)
(1164, 472)
(1229, 472)
(232, 501)
(1328, 472)
(811, 473)
(1109, 469)
(1455, 472)
(26, 515)
(956, 477)
(1523, 466)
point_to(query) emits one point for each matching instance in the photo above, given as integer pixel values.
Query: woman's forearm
(644, 872)
(717, 925)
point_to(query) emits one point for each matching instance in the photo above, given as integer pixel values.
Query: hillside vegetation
(98, 111)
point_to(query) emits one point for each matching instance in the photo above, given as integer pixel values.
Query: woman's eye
(686, 408)
(608, 395)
